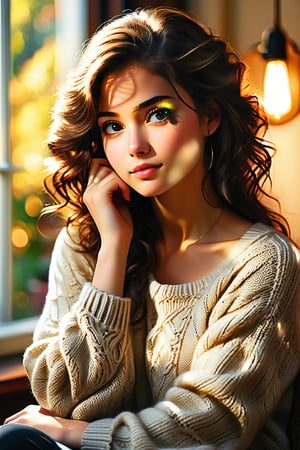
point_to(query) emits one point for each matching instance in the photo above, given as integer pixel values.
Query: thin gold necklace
(209, 229)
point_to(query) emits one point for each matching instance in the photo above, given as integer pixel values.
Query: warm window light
(277, 92)
(19, 237)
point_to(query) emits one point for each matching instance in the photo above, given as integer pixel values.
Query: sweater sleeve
(80, 361)
(242, 364)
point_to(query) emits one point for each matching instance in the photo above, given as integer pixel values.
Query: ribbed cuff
(98, 435)
(106, 308)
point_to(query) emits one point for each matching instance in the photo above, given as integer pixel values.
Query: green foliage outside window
(31, 96)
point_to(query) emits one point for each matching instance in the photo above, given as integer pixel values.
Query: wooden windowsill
(15, 392)
(11, 367)
(12, 374)
(16, 336)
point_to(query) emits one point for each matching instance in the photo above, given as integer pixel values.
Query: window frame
(16, 335)
(6, 167)
(85, 16)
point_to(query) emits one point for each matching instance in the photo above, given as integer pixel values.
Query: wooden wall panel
(102, 10)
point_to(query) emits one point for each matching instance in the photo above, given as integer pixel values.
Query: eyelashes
(159, 114)
(111, 127)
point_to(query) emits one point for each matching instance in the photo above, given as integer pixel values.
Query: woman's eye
(158, 115)
(111, 127)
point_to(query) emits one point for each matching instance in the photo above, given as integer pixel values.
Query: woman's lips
(145, 171)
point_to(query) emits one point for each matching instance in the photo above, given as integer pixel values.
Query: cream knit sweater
(210, 368)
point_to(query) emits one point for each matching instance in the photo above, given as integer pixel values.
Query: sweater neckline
(254, 232)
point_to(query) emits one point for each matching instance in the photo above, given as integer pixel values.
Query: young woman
(170, 320)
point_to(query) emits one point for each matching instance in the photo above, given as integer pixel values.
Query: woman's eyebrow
(143, 105)
(151, 101)
(106, 114)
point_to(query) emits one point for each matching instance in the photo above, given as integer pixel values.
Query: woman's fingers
(96, 164)
(68, 431)
(23, 413)
(124, 188)
(100, 169)
(104, 197)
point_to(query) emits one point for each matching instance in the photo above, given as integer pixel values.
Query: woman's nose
(138, 142)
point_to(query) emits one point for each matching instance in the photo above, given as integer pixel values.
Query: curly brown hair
(174, 45)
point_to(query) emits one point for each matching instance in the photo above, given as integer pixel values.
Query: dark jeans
(22, 437)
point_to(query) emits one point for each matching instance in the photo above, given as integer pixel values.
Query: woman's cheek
(115, 154)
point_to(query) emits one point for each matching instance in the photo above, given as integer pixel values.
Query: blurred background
(44, 39)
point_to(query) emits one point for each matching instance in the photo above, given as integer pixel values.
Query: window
(40, 41)
(31, 92)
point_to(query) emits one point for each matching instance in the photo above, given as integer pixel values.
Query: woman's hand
(67, 431)
(104, 197)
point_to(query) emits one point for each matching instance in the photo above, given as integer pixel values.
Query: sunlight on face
(119, 89)
(184, 160)
(151, 137)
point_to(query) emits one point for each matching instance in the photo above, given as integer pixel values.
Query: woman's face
(151, 139)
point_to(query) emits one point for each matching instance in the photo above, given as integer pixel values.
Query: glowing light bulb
(277, 93)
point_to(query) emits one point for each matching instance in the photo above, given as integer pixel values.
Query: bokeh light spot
(33, 162)
(33, 205)
(19, 237)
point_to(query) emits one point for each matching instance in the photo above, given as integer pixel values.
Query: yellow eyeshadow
(166, 105)
(172, 111)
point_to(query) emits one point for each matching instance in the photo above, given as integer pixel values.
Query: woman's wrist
(110, 268)
(115, 243)
(72, 432)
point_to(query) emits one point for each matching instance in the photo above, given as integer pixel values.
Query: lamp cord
(277, 20)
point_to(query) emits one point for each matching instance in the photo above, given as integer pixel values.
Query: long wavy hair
(174, 45)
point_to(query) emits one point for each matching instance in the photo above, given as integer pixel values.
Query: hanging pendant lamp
(273, 72)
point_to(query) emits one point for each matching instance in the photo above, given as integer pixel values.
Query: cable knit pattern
(221, 352)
